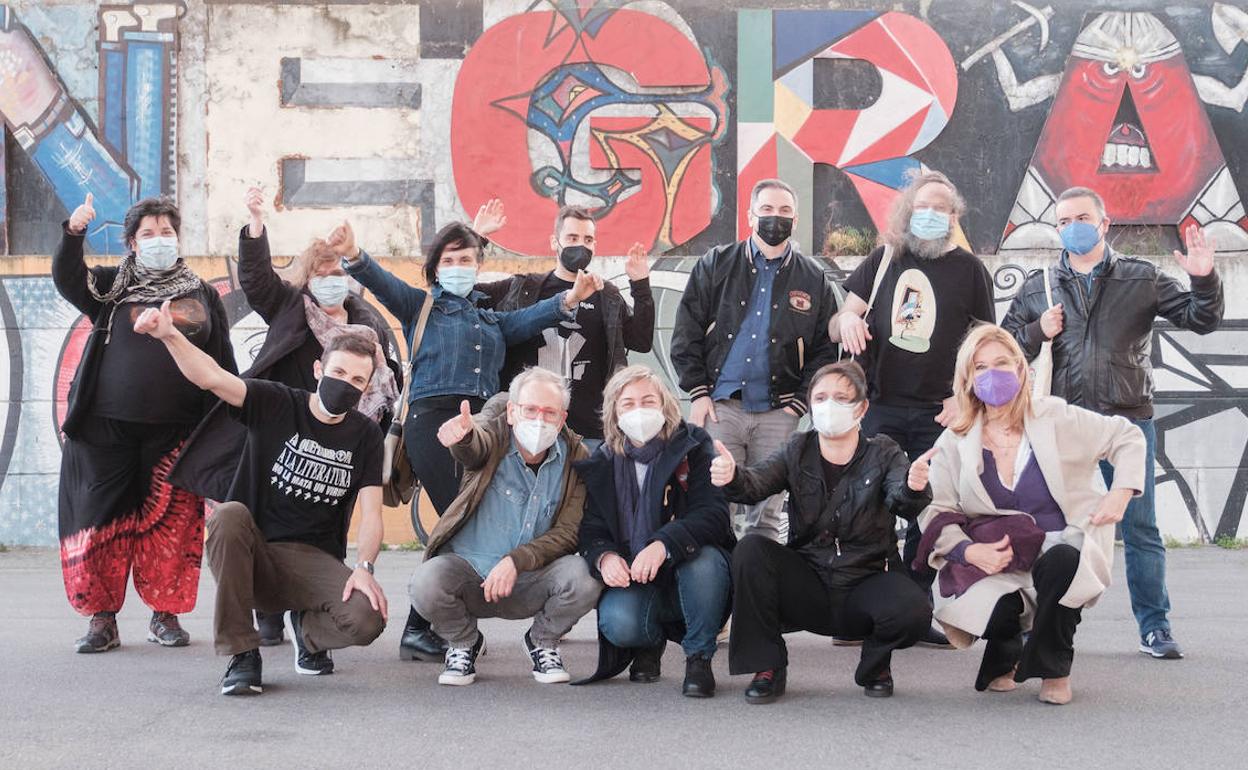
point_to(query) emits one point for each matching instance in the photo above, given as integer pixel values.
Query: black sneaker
(165, 630)
(101, 634)
(1159, 644)
(647, 665)
(882, 687)
(461, 663)
(766, 686)
(307, 663)
(272, 628)
(242, 676)
(547, 665)
(699, 679)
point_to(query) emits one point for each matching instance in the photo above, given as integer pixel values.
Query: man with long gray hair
(908, 306)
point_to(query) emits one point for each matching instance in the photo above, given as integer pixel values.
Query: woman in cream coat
(1021, 528)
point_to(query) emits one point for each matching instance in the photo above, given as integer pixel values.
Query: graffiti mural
(783, 131)
(658, 116)
(595, 104)
(1126, 114)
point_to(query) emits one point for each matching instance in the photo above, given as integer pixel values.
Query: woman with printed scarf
(458, 359)
(129, 412)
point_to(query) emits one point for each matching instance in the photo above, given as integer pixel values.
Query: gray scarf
(136, 283)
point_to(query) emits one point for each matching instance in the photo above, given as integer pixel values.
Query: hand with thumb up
(82, 216)
(723, 467)
(455, 429)
(921, 470)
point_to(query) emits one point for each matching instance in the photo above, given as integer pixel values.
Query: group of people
(566, 480)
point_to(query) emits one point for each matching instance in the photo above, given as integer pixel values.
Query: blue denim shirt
(747, 367)
(517, 507)
(464, 346)
(1096, 270)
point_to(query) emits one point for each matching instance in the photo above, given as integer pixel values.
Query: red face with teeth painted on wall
(1127, 122)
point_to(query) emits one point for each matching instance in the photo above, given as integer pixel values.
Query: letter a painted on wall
(1128, 122)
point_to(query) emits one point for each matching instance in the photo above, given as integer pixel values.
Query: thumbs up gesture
(82, 216)
(921, 470)
(723, 467)
(455, 429)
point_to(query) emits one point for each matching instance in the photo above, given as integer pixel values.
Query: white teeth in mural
(1126, 156)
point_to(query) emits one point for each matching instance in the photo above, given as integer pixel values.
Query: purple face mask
(997, 387)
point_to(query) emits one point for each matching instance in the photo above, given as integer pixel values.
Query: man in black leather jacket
(1101, 325)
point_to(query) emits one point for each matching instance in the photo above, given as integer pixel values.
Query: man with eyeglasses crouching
(506, 547)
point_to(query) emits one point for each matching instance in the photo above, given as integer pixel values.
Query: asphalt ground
(145, 706)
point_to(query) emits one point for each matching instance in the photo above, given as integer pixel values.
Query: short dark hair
(353, 343)
(1084, 192)
(850, 370)
(771, 184)
(572, 212)
(151, 207)
(456, 235)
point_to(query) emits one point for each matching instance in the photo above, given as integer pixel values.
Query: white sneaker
(547, 665)
(461, 663)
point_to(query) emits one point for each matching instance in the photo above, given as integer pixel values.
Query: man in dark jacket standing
(1101, 325)
(588, 350)
(750, 331)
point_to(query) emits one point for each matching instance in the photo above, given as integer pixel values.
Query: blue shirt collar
(1099, 267)
(438, 292)
(756, 254)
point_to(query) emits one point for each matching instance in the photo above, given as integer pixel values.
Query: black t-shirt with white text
(299, 476)
(921, 313)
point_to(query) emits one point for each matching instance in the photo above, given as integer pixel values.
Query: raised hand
(453, 430)
(920, 470)
(155, 322)
(342, 240)
(637, 266)
(1200, 250)
(585, 286)
(254, 200)
(723, 467)
(990, 557)
(82, 216)
(490, 217)
(854, 332)
(1052, 321)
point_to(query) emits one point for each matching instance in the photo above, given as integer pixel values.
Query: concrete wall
(402, 117)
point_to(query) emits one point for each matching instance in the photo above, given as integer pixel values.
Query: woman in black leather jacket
(839, 573)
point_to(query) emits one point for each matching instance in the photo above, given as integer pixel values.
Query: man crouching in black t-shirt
(280, 541)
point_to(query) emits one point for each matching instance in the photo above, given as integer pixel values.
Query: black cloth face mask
(337, 396)
(575, 258)
(774, 230)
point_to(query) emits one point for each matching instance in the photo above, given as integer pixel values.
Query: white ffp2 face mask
(833, 419)
(641, 424)
(535, 436)
(329, 290)
(158, 252)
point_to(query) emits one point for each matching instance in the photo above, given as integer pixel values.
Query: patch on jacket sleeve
(799, 301)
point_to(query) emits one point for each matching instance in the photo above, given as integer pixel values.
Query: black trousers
(1050, 649)
(438, 473)
(915, 430)
(776, 590)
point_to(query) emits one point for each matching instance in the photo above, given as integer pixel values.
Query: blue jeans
(1145, 552)
(634, 616)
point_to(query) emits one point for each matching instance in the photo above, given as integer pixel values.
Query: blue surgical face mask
(328, 290)
(157, 252)
(457, 280)
(1080, 237)
(929, 224)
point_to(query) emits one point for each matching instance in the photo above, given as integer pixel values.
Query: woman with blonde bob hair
(657, 532)
(1021, 527)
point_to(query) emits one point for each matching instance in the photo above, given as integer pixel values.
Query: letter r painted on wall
(782, 131)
